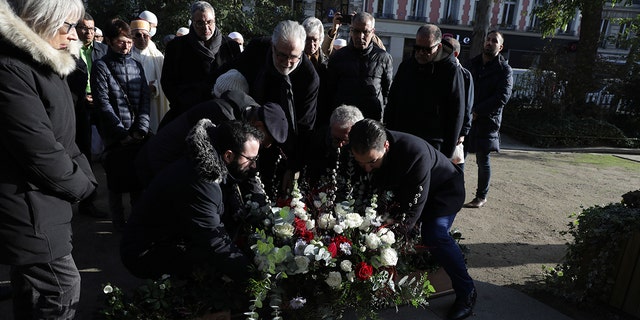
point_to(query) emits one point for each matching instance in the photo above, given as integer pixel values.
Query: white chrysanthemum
(346, 266)
(388, 257)
(326, 221)
(334, 279)
(353, 220)
(297, 302)
(302, 263)
(284, 230)
(387, 236)
(372, 241)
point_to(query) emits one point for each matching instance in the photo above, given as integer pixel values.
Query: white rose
(372, 241)
(346, 265)
(326, 221)
(302, 263)
(283, 230)
(388, 257)
(334, 279)
(353, 220)
(338, 228)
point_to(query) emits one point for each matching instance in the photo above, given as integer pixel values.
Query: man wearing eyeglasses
(428, 96)
(80, 86)
(179, 226)
(191, 61)
(360, 74)
(152, 60)
(429, 189)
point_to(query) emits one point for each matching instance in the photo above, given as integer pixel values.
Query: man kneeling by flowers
(404, 163)
(177, 226)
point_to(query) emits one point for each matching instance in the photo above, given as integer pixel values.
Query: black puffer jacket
(41, 169)
(493, 83)
(361, 78)
(121, 94)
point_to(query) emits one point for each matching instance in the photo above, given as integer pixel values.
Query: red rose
(307, 236)
(339, 239)
(364, 271)
(299, 225)
(333, 249)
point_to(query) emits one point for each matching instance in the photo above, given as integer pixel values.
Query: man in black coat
(177, 225)
(277, 70)
(493, 81)
(427, 97)
(361, 73)
(190, 61)
(429, 189)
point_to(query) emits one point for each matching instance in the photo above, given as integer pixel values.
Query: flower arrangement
(314, 258)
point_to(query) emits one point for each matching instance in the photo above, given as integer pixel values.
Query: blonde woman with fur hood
(42, 172)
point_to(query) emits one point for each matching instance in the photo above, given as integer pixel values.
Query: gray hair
(345, 116)
(366, 135)
(313, 26)
(289, 32)
(364, 17)
(45, 17)
(430, 30)
(201, 6)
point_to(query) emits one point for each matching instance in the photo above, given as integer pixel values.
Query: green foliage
(600, 234)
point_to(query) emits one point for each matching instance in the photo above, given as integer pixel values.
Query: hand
(127, 141)
(88, 98)
(460, 140)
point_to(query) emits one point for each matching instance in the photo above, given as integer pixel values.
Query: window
(534, 21)
(508, 13)
(451, 8)
(418, 8)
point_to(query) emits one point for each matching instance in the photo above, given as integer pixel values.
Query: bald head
(455, 44)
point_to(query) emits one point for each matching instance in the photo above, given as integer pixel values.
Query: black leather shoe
(89, 209)
(463, 308)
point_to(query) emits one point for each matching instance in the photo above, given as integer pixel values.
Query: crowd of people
(191, 132)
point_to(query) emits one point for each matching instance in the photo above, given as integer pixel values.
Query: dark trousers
(46, 290)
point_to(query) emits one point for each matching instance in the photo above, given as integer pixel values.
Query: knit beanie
(230, 80)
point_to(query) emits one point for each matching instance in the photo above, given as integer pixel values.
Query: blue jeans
(483, 160)
(435, 235)
(46, 290)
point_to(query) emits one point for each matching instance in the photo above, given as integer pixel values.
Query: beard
(238, 173)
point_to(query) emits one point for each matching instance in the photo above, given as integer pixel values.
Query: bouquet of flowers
(314, 259)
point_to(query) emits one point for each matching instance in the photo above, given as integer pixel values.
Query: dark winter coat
(42, 172)
(189, 67)
(121, 95)
(428, 100)
(361, 78)
(183, 207)
(413, 167)
(493, 83)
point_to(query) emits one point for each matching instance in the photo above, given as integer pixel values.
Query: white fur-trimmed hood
(16, 32)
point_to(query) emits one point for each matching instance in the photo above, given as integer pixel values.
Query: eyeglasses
(358, 31)
(86, 28)
(252, 160)
(208, 23)
(70, 26)
(284, 56)
(124, 42)
(430, 49)
(141, 35)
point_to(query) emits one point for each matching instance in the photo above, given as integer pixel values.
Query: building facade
(398, 20)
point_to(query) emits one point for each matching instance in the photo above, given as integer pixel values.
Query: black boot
(463, 307)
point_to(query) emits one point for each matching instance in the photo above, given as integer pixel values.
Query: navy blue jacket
(493, 83)
(413, 167)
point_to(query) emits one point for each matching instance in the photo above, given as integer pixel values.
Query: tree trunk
(586, 53)
(480, 27)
